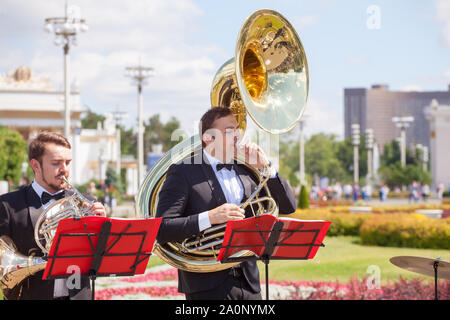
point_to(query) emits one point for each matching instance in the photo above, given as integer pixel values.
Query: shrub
(342, 223)
(406, 230)
(303, 200)
(384, 229)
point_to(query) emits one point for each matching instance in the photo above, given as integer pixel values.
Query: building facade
(29, 104)
(375, 107)
(438, 116)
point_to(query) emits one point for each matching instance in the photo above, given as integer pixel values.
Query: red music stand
(101, 247)
(271, 238)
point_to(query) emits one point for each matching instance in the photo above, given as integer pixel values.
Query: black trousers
(235, 287)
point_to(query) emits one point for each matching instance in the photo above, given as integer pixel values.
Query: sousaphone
(267, 80)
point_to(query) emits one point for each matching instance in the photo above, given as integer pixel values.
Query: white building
(439, 119)
(29, 103)
(95, 149)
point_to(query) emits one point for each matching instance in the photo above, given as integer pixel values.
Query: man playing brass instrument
(206, 192)
(50, 156)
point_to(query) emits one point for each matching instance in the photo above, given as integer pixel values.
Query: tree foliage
(325, 156)
(393, 174)
(90, 120)
(157, 132)
(13, 154)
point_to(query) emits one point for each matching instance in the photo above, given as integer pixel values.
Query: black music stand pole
(272, 242)
(128, 247)
(98, 253)
(268, 251)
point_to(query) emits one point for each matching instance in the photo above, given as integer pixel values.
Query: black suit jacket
(19, 211)
(190, 188)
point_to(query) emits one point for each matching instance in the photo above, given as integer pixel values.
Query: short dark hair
(36, 148)
(207, 120)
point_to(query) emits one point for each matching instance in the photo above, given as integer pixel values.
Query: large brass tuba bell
(268, 80)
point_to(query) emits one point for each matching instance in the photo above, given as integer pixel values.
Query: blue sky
(187, 41)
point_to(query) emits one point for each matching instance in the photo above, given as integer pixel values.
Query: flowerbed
(401, 229)
(161, 284)
(415, 289)
(151, 292)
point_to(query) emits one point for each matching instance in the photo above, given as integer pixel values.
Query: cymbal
(422, 265)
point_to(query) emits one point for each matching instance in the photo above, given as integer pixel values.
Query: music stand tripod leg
(92, 276)
(98, 253)
(435, 266)
(265, 260)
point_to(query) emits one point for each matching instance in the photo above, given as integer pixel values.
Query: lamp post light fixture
(402, 123)
(355, 143)
(369, 147)
(139, 74)
(65, 30)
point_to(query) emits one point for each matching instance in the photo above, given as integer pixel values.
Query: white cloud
(411, 87)
(443, 16)
(159, 33)
(356, 60)
(305, 21)
(321, 117)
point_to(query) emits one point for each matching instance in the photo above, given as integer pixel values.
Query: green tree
(113, 180)
(289, 161)
(344, 153)
(321, 159)
(396, 175)
(157, 132)
(13, 154)
(392, 172)
(90, 120)
(128, 141)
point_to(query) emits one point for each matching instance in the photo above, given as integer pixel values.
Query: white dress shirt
(231, 186)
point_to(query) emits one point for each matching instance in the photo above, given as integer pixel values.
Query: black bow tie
(46, 197)
(228, 166)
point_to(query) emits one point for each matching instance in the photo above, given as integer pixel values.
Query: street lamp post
(369, 147)
(425, 158)
(66, 29)
(139, 74)
(118, 116)
(355, 143)
(302, 153)
(402, 123)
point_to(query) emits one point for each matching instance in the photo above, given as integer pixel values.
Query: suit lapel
(214, 184)
(34, 205)
(247, 182)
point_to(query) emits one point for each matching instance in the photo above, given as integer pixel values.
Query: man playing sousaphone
(50, 156)
(207, 191)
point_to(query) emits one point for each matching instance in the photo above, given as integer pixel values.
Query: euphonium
(15, 267)
(267, 79)
(76, 205)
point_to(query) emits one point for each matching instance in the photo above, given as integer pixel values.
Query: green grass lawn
(343, 258)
